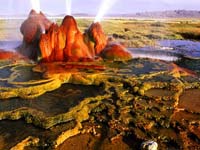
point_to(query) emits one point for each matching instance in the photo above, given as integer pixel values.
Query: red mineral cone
(97, 34)
(52, 44)
(45, 46)
(114, 51)
(65, 43)
(70, 30)
(59, 47)
(75, 47)
(48, 42)
(32, 28)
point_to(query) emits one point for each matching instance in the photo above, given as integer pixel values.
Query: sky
(55, 7)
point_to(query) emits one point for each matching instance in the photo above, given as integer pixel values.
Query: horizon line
(92, 14)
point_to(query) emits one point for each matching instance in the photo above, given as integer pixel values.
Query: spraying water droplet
(36, 5)
(68, 7)
(105, 6)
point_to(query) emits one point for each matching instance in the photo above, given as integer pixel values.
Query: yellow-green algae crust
(129, 106)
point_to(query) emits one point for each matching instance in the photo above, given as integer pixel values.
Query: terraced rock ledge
(106, 105)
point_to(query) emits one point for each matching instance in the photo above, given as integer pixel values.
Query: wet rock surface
(108, 105)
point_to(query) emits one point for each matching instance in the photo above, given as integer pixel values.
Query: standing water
(169, 50)
(187, 48)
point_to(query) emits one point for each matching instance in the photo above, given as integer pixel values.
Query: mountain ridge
(147, 14)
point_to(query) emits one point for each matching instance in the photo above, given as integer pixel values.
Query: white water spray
(35, 5)
(68, 4)
(105, 6)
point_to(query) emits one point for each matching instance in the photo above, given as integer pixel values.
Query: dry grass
(10, 30)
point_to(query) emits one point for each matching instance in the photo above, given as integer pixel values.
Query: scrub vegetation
(139, 33)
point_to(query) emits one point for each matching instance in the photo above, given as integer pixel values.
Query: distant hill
(164, 14)
(152, 14)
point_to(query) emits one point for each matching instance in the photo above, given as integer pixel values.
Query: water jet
(68, 4)
(62, 43)
(104, 7)
(67, 43)
(36, 5)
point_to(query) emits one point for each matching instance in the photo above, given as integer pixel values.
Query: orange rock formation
(115, 51)
(96, 34)
(65, 42)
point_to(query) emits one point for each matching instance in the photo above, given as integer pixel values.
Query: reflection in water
(185, 47)
(169, 50)
(154, 54)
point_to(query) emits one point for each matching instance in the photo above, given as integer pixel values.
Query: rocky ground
(99, 105)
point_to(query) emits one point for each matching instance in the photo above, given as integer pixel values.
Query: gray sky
(92, 6)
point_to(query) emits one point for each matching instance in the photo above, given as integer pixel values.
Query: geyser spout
(105, 6)
(65, 42)
(68, 4)
(36, 5)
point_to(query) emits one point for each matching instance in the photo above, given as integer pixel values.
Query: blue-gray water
(154, 53)
(169, 50)
(9, 45)
(187, 48)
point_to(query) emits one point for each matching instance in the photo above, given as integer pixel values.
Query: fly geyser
(65, 43)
